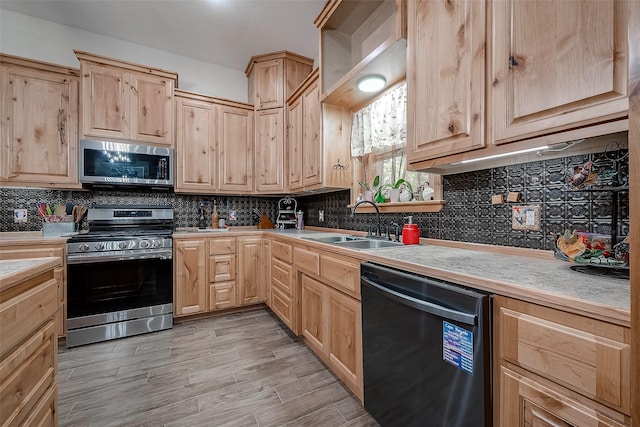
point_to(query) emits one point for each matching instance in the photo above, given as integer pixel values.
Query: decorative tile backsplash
(467, 216)
(186, 207)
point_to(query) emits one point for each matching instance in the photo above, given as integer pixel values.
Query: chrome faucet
(353, 211)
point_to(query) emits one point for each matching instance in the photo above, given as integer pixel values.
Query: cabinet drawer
(282, 305)
(538, 405)
(282, 276)
(306, 260)
(341, 271)
(222, 268)
(26, 374)
(23, 314)
(222, 246)
(282, 251)
(222, 295)
(588, 356)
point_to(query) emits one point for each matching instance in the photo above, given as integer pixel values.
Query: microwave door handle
(424, 306)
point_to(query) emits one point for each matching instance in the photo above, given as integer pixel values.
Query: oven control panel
(130, 244)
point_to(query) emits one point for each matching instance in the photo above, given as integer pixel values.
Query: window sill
(429, 206)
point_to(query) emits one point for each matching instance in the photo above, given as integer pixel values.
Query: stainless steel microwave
(119, 163)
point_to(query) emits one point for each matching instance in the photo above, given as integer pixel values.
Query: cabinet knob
(451, 127)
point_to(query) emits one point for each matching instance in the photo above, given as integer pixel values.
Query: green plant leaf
(398, 183)
(376, 181)
(364, 185)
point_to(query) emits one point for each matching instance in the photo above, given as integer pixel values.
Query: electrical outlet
(20, 215)
(321, 215)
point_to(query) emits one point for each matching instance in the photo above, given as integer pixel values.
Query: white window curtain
(381, 124)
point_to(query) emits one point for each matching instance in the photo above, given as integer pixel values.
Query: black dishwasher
(426, 350)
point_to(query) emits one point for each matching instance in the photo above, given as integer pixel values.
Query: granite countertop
(14, 271)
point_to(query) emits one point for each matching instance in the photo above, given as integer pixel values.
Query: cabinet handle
(451, 127)
(61, 125)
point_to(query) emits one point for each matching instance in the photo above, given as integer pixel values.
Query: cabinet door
(557, 65)
(151, 112)
(235, 150)
(190, 277)
(222, 268)
(314, 314)
(445, 77)
(249, 275)
(524, 402)
(268, 84)
(311, 146)
(196, 156)
(294, 144)
(345, 339)
(269, 159)
(105, 102)
(39, 129)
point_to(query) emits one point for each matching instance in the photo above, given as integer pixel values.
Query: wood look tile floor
(241, 369)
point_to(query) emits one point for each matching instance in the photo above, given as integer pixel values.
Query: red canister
(410, 232)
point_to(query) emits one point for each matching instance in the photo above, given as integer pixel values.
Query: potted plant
(369, 190)
(396, 188)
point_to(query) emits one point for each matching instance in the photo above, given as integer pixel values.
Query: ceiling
(224, 32)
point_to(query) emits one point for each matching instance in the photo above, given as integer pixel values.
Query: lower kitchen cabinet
(60, 271)
(283, 284)
(559, 369)
(216, 273)
(332, 328)
(250, 289)
(266, 269)
(190, 277)
(28, 351)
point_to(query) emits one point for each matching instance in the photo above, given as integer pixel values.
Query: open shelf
(428, 206)
(359, 38)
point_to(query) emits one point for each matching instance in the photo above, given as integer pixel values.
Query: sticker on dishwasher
(457, 347)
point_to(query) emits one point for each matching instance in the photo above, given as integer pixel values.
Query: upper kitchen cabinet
(126, 101)
(360, 38)
(317, 141)
(557, 65)
(445, 78)
(235, 149)
(214, 144)
(269, 151)
(39, 124)
(274, 76)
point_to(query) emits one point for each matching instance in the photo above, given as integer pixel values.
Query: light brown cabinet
(331, 320)
(250, 289)
(274, 76)
(269, 164)
(445, 78)
(59, 271)
(206, 128)
(317, 140)
(28, 351)
(39, 124)
(557, 65)
(235, 150)
(126, 101)
(190, 283)
(283, 290)
(561, 366)
(222, 273)
(266, 258)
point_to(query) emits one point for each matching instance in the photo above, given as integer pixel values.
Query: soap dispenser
(410, 232)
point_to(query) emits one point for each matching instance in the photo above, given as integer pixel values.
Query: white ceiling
(224, 32)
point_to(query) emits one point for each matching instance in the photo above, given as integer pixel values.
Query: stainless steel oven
(120, 274)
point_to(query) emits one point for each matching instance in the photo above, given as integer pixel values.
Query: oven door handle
(425, 306)
(108, 257)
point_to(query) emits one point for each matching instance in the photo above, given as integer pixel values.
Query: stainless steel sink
(335, 239)
(368, 244)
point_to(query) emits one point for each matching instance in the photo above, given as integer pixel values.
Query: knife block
(265, 223)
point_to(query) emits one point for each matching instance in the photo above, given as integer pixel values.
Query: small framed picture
(525, 218)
